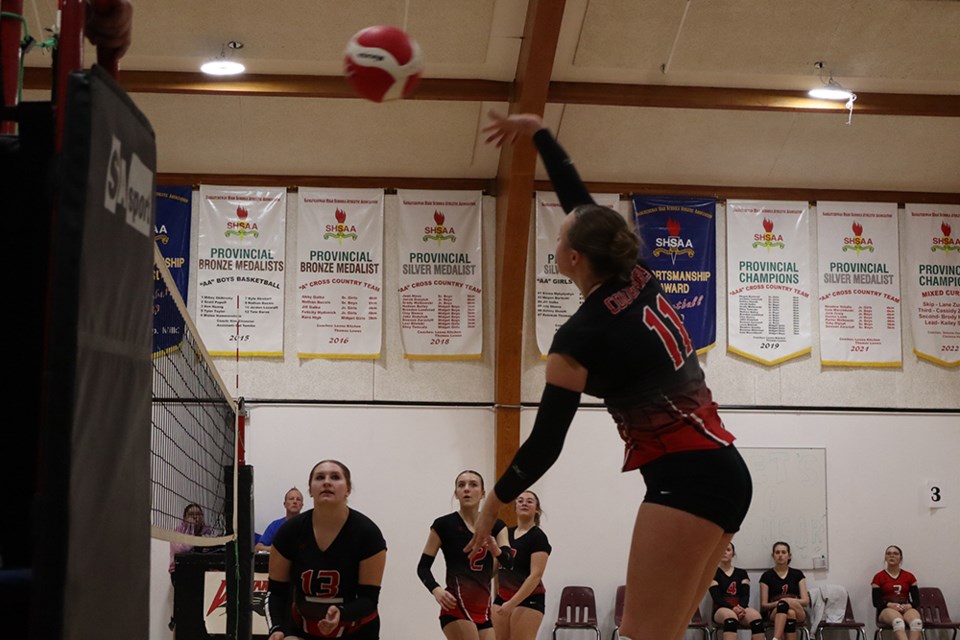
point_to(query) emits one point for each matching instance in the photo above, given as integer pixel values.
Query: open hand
(507, 129)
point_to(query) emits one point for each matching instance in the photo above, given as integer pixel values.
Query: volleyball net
(193, 436)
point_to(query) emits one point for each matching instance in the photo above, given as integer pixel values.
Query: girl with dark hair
(783, 594)
(896, 597)
(730, 593)
(326, 565)
(627, 345)
(192, 524)
(519, 605)
(465, 602)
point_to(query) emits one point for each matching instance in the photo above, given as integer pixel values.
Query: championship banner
(933, 288)
(171, 231)
(339, 274)
(215, 603)
(441, 280)
(678, 240)
(557, 297)
(240, 270)
(859, 259)
(768, 280)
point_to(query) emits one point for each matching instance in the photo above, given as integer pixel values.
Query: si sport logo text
(129, 185)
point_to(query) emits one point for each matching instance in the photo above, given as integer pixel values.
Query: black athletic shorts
(447, 619)
(535, 601)
(713, 484)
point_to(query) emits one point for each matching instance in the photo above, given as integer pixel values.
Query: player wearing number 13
(335, 557)
(627, 345)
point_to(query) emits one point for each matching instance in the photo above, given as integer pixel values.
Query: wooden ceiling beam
(581, 93)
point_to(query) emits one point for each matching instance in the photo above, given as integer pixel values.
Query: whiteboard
(789, 504)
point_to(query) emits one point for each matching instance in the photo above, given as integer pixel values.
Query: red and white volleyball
(382, 63)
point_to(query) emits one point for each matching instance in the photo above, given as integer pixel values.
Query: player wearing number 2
(335, 557)
(627, 345)
(465, 603)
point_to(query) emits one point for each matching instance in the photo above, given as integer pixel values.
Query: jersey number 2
(657, 323)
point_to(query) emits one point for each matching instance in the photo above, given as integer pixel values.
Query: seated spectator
(896, 596)
(783, 594)
(730, 593)
(192, 525)
(292, 504)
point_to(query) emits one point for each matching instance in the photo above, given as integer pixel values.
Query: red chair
(618, 612)
(848, 623)
(697, 624)
(578, 610)
(933, 610)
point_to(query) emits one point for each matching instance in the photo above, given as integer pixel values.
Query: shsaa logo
(129, 187)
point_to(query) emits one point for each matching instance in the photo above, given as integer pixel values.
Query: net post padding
(178, 410)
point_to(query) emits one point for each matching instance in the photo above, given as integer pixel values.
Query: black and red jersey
(638, 355)
(522, 548)
(323, 577)
(734, 589)
(468, 577)
(785, 587)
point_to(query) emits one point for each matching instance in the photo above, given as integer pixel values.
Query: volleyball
(382, 63)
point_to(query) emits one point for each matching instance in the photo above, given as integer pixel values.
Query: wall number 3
(935, 498)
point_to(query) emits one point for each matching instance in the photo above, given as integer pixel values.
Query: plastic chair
(578, 610)
(618, 612)
(933, 611)
(697, 624)
(848, 622)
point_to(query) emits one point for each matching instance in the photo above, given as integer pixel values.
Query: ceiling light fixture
(833, 90)
(222, 65)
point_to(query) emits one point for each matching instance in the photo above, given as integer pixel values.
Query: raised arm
(566, 181)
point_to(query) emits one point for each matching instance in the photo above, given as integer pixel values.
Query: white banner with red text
(768, 280)
(340, 273)
(240, 266)
(557, 297)
(859, 260)
(933, 281)
(440, 274)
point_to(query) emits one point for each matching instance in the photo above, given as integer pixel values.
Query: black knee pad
(756, 626)
(731, 624)
(782, 607)
(791, 626)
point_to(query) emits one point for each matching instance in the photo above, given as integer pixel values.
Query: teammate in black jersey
(783, 594)
(627, 345)
(335, 557)
(465, 603)
(730, 593)
(518, 607)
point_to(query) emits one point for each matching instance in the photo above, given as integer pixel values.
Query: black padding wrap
(756, 627)
(505, 558)
(782, 607)
(566, 181)
(878, 600)
(278, 605)
(543, 446)
(915, 596)
(744, 594)
(731, 625)
(791, 626)
(363, 606)
(424, 573)
(716, 596)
